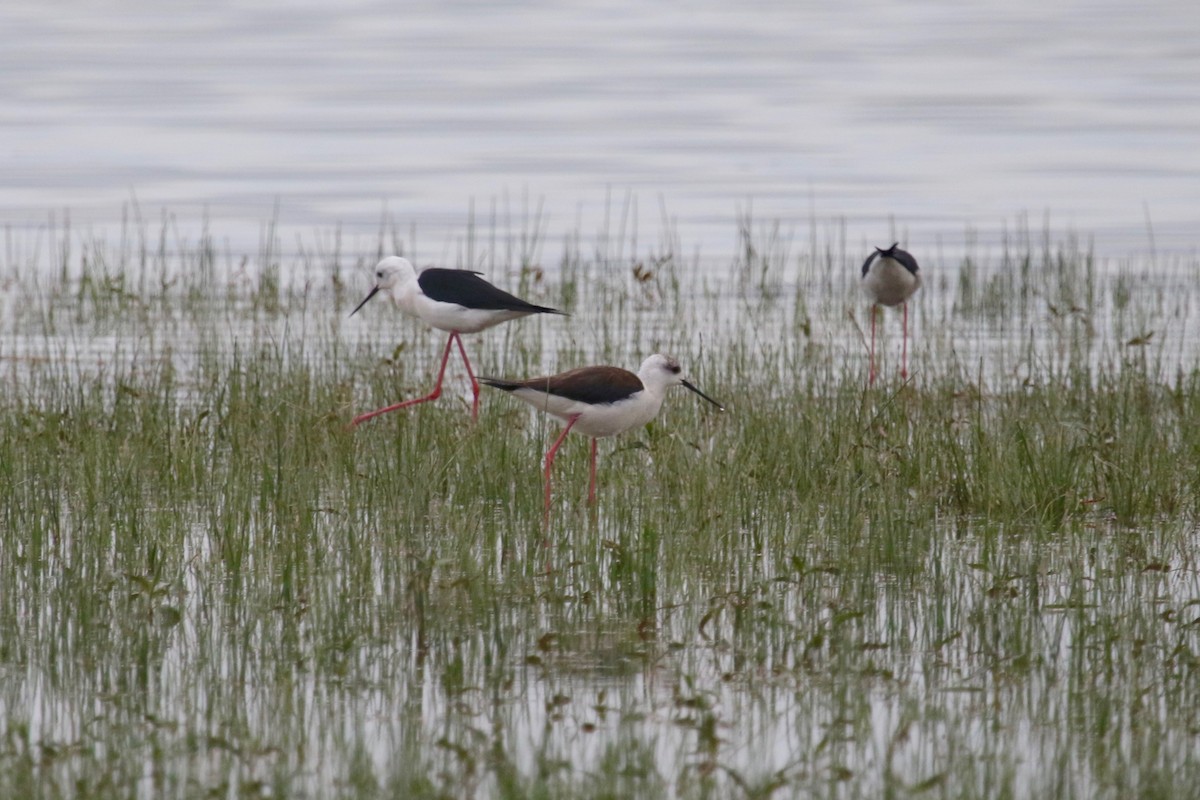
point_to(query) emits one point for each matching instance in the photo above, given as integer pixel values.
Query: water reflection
(749, 685)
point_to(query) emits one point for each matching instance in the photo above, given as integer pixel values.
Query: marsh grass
(981, 583)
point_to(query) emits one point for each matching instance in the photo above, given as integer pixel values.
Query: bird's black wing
(867, 263)
(468, 289)
(592, 385)
(905, 258)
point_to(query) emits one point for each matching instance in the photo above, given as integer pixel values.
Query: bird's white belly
(453, 317)
(889, 283)
(607, 419)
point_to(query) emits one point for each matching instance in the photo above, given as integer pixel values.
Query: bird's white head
(394, 276)
(659, 372)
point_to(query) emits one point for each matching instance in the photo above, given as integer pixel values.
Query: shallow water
(924, 118)
(296, 643)
(752, 682)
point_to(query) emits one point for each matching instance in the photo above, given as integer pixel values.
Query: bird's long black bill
(706, 397)
(370, 294)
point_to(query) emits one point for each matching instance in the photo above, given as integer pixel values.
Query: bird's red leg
(471, 375)
(550, 456)
(434, 395)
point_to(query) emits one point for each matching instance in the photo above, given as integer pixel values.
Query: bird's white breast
(889, 283)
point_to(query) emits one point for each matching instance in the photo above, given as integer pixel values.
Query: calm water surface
(929, 118)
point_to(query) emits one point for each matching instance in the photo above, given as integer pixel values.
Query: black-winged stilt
(889, 278)
(599, 401)
(455, 300)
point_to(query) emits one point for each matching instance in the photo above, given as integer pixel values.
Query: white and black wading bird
(599, 401)
(454, 300)
(890, 277)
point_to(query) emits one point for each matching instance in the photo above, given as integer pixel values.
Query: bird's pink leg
(592, 482)
(434, 395)
(871, 377)
(471, 375)
(550, 456)
(904, 356)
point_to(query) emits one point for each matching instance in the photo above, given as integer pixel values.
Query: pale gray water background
(928, 118)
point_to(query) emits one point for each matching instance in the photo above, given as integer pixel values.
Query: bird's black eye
(379, 274)
(675, 368)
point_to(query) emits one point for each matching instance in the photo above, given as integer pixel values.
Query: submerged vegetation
(978, 583)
